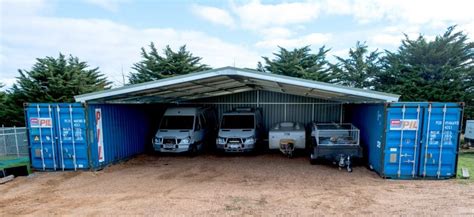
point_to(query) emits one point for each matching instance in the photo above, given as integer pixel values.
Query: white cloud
(106, 44)
(406, 11)
(386, 39)
(310, 39)
(276, 32)
(110, 5)
(255, 15)
(214, 15)
(23, 7)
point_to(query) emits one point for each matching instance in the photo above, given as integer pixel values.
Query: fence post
(16, 142)
(4, 139)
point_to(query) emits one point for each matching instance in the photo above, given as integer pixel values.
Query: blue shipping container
(57, 136)
(71, 136)
(409, 140)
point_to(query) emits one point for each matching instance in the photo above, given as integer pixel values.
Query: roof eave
(231, 71)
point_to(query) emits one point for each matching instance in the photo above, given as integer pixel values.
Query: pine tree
(438, 70)
(299, 63)
(52, 80)
(3, 99)
(359, 69)
(155, 67)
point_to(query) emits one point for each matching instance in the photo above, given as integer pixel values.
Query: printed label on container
(100, 139)
(41, 123)
(403, 124)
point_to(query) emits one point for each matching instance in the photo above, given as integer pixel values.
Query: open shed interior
(132, 113)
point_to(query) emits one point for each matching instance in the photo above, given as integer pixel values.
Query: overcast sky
(109, 33)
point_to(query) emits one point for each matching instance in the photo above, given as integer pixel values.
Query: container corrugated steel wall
(64, 136)
(127, 130)
(409, 140)
(277, 107)
(57, 136)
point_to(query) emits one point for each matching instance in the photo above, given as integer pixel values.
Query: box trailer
(339, 143)
(409, 139)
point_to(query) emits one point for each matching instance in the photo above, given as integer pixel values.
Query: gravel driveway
(264, 185)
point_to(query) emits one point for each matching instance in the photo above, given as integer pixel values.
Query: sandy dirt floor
(265, 185)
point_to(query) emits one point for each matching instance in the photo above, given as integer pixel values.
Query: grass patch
(466, 160)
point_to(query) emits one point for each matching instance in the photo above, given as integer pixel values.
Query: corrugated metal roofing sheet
(230, 80)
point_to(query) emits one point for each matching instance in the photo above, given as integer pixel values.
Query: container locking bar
(60, 137)
(415, 145)
(442, 142)
(73, 139)
(401, 144)
(41, 138)
(52, 137)
(428, 135)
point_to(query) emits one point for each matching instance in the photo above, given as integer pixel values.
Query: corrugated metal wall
(127, 130)
(277, 107)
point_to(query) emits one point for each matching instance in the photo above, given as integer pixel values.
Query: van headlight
(158, 140)
(249, 141)
(220, 140)
(186, 140)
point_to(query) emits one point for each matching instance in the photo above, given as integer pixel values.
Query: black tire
(193, 150)
(313, 161)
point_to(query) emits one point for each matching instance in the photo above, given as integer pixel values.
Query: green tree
(155, 67)
(299, 63)
(359, 69)
(52, 80)
(438, 70)
(3, 99)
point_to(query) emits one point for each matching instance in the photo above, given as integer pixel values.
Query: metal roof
(229, 80)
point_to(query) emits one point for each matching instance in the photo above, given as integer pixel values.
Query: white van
(185, 129)
(240, 130)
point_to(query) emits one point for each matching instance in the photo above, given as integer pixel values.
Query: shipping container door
(402, 138)
(72, 139)
(440, 142)
(40, 123)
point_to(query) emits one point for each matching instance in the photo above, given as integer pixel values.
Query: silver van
(240, 130)
(185, 129)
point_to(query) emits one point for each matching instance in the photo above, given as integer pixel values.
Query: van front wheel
(193, 150)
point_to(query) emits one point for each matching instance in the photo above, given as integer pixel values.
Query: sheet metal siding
(298, 108)
(369, 118)
(62, 145)
(402, 161)
(439, 149)
(419, 156)
(127, 130)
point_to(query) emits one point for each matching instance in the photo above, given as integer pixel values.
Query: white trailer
(287, 136)
(469, 133)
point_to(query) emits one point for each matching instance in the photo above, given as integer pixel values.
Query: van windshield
(237, 122)
(177, 122)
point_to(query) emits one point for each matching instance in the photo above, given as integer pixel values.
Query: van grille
(169, 141)
(234, 140)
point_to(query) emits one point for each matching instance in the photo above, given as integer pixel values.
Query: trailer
(339, 143)
(469, 133)
(287, 136)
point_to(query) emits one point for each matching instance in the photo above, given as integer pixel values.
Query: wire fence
(13, 141)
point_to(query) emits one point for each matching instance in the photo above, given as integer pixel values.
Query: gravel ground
(265, 185)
